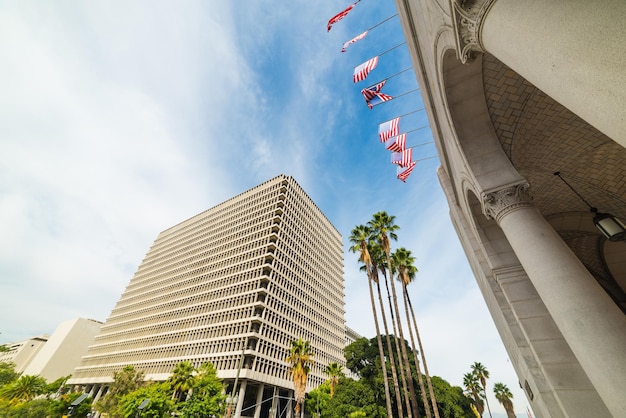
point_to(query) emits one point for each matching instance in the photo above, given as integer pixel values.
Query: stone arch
(464, 97)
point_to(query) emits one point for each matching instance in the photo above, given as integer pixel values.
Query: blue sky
(119, 120)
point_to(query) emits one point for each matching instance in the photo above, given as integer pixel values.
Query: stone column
(242, 394)
(572, 50)
(591, 323)
(100, 389)
(259, 400)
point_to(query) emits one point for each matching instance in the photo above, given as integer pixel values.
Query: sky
(121, 119)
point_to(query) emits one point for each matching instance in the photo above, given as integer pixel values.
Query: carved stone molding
(498, 204)
(468, 16)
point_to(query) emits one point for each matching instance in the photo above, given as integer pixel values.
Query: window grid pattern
(245, 277)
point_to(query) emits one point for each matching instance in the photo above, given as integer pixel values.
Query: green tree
(384, 228)
(351, 396)
(23, 389)
(159, 405)
(182, 379)
(504, 396)
(451, 402)
(333, 371)
(317, 400)
(482, 374)
(473, 391)
(7, 373)
(58, 386)
(359, 239)
(362, 359)
(36, 408)
(207, 397)
(60, 406)
(125, 381)
(300, 359)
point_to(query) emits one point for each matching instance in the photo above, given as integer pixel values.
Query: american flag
(373, 96)
(361, 71)
(396, 144)
(402, 175)
(404, 158)
(353, 40)
(388, 129)
(370, 92)
(340, 15)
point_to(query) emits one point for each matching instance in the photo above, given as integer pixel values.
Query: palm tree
(182, 379)
(334, 371)
(23, 389)
(482, 374)
(359, 239)
(383, 228)
(407, 278)
(377, 257)
(404, 264)
(473, 390)
(300, 358)
(504, 396)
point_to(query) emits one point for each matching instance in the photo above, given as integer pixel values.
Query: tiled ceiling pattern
(541, 136)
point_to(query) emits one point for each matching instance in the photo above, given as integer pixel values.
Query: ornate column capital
(500, 203)
(467, 18)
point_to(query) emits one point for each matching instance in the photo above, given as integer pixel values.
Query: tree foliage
(362, 358)
(300, 359)
(207, 395)
(351, 396)
(504, 396)
(23, 389)
(7, 373)
(124, 382)
(334, 372)
(160, 403)
(182, 379)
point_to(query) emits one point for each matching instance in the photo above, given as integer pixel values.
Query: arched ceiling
(540, 137)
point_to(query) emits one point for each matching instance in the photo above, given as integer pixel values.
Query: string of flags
(389, 131)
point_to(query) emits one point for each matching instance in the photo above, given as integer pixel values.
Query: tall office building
(234, 286)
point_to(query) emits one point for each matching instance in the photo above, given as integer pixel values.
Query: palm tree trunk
(510, 413)
(380, 349)
(394, 373)
(486, 400)
(401, 333)
(420, 379)
(405, 387)
(421, 349)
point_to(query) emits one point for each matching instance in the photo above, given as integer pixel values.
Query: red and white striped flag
(370, 92)
(388, 129)
(396, 143)
(373, 95)
(340, 15)
(402, 175)
(361, 71)
(403, 159)
(353, 40)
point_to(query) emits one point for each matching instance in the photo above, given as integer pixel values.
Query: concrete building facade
(516, 91)
(64, 349)
(23, 352)
(234, 286)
